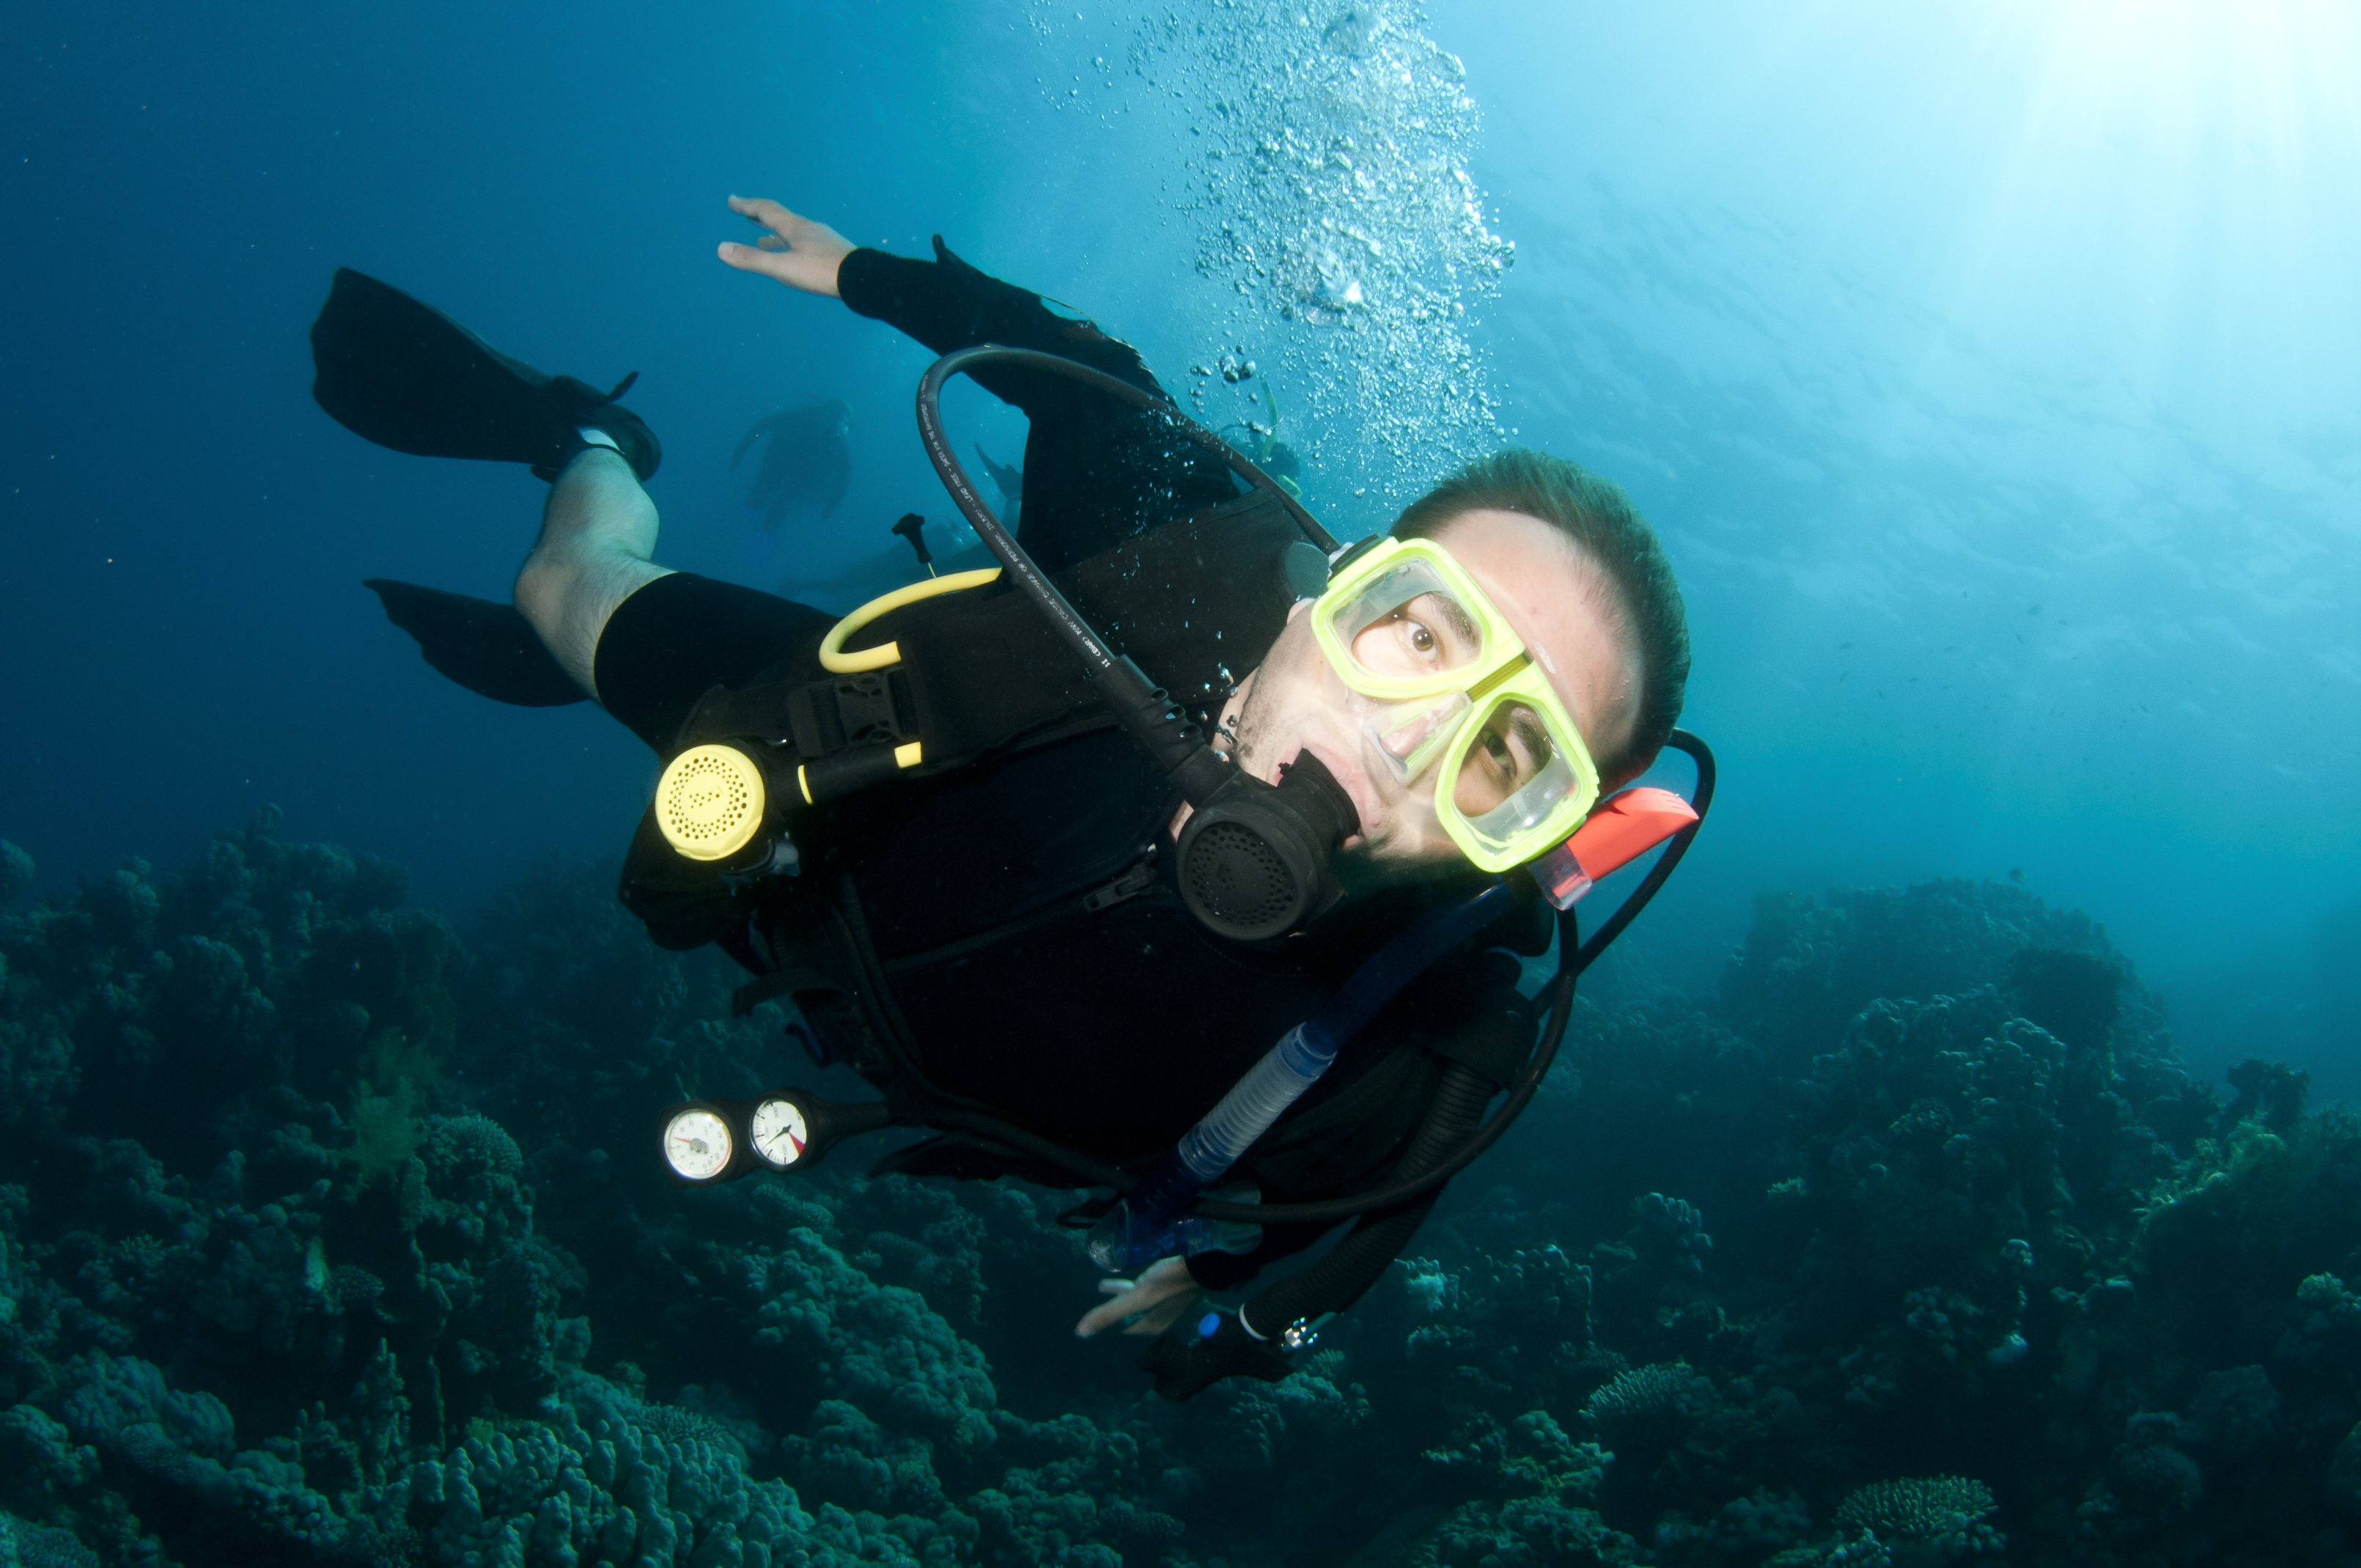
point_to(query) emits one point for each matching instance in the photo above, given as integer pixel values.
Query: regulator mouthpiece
(710, 802)
(1254, 858)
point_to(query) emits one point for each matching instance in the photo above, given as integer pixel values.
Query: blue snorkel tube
(1160, 1216)
(1152, 1220)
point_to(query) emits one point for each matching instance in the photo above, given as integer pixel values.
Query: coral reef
(1941, 1518)
(329, 1234)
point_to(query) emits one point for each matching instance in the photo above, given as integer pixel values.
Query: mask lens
(1516, 772)
(1406, 624)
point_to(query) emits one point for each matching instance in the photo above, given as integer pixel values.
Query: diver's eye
(1489, 773)
(1500, 753)
(1503, 757)
(1400, 644)
(1417, 638)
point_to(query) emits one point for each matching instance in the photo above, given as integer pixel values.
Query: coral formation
(1647, 1394)
(1941, 1516)
(328, 1235)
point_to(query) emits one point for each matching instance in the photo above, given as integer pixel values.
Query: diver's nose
(1411, 736)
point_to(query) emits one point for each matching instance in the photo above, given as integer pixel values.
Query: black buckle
(845, 714)
(1129, 885)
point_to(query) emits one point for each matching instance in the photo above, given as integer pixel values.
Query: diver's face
(1557, 604)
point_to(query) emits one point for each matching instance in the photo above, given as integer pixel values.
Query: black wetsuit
(1108, 1030)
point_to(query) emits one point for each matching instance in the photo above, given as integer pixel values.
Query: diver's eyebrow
(1527, 727)
(1463, 626)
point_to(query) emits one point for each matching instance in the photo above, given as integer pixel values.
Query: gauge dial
(697, 1143)
(780, 1132)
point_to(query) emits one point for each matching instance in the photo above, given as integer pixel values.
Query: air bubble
(1350, 243)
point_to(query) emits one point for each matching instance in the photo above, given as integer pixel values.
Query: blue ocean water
(1992, 373)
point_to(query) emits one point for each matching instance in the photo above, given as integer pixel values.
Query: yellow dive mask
(1452, 688)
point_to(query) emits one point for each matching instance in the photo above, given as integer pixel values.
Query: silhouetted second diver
(1260, 443)
(807, 461)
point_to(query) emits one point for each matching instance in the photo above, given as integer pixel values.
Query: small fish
(807, 461)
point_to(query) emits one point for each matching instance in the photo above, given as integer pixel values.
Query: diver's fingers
(765, 212)
(796, 252)
(755, 258)
(1107, 1313)
(1158, 1286)
(788, 229)
(812, 273)
(1165, 1316)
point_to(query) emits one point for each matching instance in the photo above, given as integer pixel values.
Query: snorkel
(1152, 1220)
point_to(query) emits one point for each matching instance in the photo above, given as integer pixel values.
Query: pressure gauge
(780, 1132)
(697, 1143)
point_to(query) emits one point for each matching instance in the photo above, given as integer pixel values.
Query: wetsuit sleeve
(948, 305)
(1097, 470)
(1345, 1275)
(1189, 1357)
(1356, 1262)
(1480, 1058)
(1227, 1271)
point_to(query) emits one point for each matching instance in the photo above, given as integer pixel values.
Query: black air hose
(1357, 1262)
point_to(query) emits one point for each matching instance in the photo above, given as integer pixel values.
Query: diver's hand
(798, 252)
(1158, 1298)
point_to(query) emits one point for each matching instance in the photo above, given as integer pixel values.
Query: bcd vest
(983, 677)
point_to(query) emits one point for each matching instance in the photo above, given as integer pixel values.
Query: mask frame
(1499, 673)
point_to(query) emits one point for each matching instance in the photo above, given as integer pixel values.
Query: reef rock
(329, 1234)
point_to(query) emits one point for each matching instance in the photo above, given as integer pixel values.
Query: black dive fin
(488, 648)
(405, 376)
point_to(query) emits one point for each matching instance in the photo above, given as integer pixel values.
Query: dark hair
(1599, 521)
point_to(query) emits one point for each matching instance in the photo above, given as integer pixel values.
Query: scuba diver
(1260, 441)
(806, 462)
(1187, 855)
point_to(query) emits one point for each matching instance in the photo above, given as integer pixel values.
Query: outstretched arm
(1097, 471)
(944, 304)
